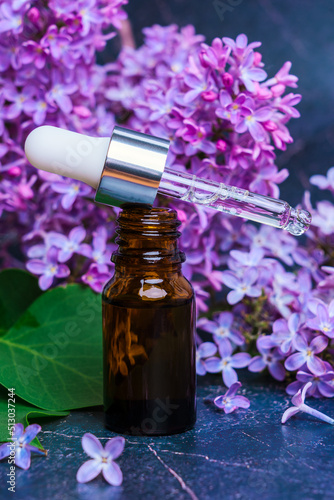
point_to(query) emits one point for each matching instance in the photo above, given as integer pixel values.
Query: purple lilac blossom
(21, 439)
(227, 362)
(299, 405)
(321, 385)
(307, 355)
(175, 86)
(221, 329)
(229, 402)
(241, 286)
(102, 459)
(204, 350)
(269, 358)
(96, 276)
(49, 269)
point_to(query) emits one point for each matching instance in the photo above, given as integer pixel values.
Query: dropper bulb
(67, 153)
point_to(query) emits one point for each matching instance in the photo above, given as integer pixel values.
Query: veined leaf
(24, 413)
(52, 356)
(18, 289)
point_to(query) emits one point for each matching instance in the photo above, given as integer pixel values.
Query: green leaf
(18, 289)
(52, 356)
(24, 413)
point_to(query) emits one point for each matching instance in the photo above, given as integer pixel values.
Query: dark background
(301, 31)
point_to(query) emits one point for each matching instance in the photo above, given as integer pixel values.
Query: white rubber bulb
(67, 153)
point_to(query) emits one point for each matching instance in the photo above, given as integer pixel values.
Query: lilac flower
(321, 385)
(60, 91)
(205, 350)
(324, 320)
(249, 74)
(10, 20)
(284, 334)
(283, 77)
(252, 120)
(240, 46)
(241, 286)
(248, 259)
(221, 328)
(324, 182)
(48, 269)
(307, 354)
(96, 277)
(231, 110)
(229, 401)
(20, 445)
(19, 100)
(100, 252)
(299, 405)
(102, 459)
(227, 363)
(69, 246)
(268, 358)
(198, 86)
(323, 218)
(196, 136)
(70, 191)
(33, 52)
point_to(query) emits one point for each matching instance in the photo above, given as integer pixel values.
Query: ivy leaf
(18, 289)
(24, 413)
(52, 356)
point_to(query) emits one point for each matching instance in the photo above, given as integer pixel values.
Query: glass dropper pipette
(234, 201)
(130, 168)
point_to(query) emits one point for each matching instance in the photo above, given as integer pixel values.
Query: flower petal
(316, 365)
(5, 450)
(230, 279)
(207, 349)
(91, 445)
(88, 471)
(113, 474)
(36, 266)
(18, 431)
(45, 282)
(240, 360)
(319, 343)
(114, 447)
(30, 433)
(295, 361)
(213, 365)
(233, 390)
(219, 401)
(22, 457)
(257, 364)
(229, 376)
(235, 296)
(325, 390)
(240, 401)
(277, 371)
(289, 413)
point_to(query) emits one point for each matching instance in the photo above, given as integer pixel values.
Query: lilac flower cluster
(224, 118)
(282, 310)
(49, 76)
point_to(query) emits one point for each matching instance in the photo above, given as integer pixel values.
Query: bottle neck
(147, 241)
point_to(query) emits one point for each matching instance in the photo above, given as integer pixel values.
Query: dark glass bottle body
(149, 329)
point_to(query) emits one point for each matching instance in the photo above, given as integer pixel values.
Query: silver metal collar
(133, 168)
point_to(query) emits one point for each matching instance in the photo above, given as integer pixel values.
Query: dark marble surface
(300, 31)
(245, 455)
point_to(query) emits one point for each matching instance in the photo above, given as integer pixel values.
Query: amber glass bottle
(148, 329)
